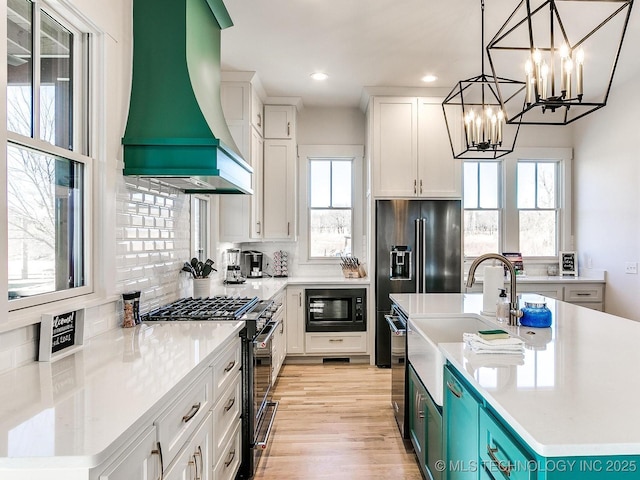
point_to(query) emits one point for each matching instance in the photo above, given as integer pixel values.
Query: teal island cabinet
(566, 409)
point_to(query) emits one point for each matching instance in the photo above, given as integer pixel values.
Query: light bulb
(564, 51)
(580, 56)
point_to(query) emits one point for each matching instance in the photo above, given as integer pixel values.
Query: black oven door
(337, 310)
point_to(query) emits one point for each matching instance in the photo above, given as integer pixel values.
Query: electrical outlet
(631, 268)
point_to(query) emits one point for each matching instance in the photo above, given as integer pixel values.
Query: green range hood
(176, 131)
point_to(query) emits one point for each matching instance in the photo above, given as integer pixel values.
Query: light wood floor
(335, 421)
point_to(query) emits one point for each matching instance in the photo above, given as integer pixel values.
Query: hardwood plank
(336, 421)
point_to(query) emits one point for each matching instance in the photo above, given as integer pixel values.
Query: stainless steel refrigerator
(418, 250)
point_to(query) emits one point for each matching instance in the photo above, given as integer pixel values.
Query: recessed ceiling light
(319, 76)
(429, 78)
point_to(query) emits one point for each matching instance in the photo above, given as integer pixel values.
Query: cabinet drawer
(500, 453)
(585, 293)
(195, 458)
(592, 305)
(225, 367)
(336, 342)
(226, 414)
(180, 420)
(136, 461)
(228, 461)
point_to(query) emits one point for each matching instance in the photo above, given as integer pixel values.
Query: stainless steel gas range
(261, 322)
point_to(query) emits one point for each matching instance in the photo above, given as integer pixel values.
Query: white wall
(607, 200)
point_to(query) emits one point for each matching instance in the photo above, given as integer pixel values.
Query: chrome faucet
(514, 311)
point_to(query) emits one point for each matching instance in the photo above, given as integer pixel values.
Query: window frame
(509, 212)
(355, 153)
(85, 93)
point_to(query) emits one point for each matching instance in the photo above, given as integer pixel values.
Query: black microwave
(336, 310)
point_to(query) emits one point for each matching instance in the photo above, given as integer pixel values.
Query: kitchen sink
(423, 337)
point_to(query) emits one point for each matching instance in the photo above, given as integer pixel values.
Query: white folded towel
(478, 344)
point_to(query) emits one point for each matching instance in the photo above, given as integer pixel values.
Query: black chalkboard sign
(568, 263)
(61, 335)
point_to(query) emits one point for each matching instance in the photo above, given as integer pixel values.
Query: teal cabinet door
(501, 454)
(417, 417)
(425, 427)
(460, 418)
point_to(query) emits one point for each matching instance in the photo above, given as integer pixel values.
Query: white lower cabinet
(342, 342)
(198, 429)
(295, 320)
(182, 418)
(228, 461)
(194, 462)
(140, 460)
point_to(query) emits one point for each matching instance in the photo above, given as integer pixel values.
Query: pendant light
(566, 51)
(476, 122)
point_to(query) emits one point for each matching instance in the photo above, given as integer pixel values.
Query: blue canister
(535, 315)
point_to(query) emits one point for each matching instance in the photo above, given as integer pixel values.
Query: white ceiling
(368, 43)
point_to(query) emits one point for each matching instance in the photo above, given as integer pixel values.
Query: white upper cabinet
(280, 122)
(411, 154)
(279, 183)
(241, 215)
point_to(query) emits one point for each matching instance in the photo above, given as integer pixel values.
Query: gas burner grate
(213, 308)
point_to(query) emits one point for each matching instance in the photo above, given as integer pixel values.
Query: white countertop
(69, 413)
(263, 288)
(576, 393)
(595, 277)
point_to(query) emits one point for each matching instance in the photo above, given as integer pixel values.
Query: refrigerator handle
(419, 260)
(423, 254)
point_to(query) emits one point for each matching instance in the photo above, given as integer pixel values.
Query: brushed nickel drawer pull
(581, 294)
(420, 186)
(336, 339)
(453, 390)
(192, 412)
(415, 186)
(229, 404)
(231, 456)
(492, 453)
(228, 368)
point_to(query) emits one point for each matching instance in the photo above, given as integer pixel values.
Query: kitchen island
(569, 403)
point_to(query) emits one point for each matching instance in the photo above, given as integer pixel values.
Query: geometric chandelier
(474, 116)
(565, 51)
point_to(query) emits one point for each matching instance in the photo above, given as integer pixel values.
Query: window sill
(32, 315)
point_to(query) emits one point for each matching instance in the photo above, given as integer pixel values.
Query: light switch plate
(631, 268)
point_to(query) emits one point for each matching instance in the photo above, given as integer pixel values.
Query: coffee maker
(233, 275)
(252, 264)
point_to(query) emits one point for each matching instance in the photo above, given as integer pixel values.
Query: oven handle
(263, 444)
(391, 320)
(262, 343)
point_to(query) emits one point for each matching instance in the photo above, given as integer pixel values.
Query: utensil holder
(201, 287)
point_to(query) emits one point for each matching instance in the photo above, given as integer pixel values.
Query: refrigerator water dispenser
(400, 263)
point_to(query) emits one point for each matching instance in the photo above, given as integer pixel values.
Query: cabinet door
(500, 453)
(395, 146)
(195, 460)
(295, 320)
(255, 217)
(279, 122)
(417, 418)
(439, 174)
(460, 417)
(141, 460)
(257, 112)
(279, 183)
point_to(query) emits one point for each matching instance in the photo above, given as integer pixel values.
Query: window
(200, 232)
(519, 204)
(481, 208)
(331, 197)
(330, 212)
(48, 170)
(537, 208)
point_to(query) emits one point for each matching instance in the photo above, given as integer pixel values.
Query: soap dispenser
(503, 306)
